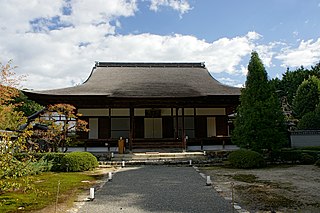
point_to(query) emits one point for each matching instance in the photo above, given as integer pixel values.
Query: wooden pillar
(131, 128)
(174, 131)
(110, 132)
(183, 132)
(177, 124)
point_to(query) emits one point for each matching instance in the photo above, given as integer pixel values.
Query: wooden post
(131, 128)
(177, 124)
(183, 132)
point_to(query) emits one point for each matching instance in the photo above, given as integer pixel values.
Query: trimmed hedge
(246, 159)
(79, 161)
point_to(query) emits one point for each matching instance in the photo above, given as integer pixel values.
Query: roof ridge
(150, 64)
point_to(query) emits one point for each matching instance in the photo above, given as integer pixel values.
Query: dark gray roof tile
(148, 80)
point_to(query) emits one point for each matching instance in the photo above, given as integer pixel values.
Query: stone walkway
(157, 189)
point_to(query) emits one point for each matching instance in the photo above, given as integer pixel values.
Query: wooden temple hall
(150, 105)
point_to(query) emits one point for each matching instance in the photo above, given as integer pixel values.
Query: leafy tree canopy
(11, 119)
(25, 105)
(291, 80)
(307, 97)
(63, 122)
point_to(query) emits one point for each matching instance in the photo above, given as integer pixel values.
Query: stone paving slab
(157, 189)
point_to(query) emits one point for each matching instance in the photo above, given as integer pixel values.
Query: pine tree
(259, 122)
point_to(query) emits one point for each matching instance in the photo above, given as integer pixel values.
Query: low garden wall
(303, 138)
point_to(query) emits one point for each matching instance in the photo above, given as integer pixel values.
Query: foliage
(312, 148)
(27, 106)
(292, 156)
(307, 97)
(44, 191)
(63, 122)
(79, 161)
(259, 122)
(291, 80)
(307, 159)
(246, 159)
(12, 140)
(310, 121)
(55, 158)
(317, 163)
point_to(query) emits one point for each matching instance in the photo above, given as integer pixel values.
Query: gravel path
(157, 189)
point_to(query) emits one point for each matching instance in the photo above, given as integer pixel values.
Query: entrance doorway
(153, 128)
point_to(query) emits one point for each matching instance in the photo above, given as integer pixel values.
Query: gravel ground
(283, 188)
(157, 189)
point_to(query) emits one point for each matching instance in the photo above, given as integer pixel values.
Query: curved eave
(105, 100)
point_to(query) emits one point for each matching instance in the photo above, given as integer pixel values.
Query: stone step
(154, 156)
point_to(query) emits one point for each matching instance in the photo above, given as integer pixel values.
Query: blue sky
(56, 42)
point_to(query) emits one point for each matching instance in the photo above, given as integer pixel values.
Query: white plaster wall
(210, 111)
(211, 126)
(94, 112)
(93, 126)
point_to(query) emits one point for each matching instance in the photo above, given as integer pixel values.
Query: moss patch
(261, 197)
(248, 178)
(42, 190)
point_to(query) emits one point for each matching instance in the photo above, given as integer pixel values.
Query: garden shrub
(314, 148)
(246, 159)
(317, 163)
(79, 161)
(39, 166)
(55, 158)
(292, 156)
(307, 159)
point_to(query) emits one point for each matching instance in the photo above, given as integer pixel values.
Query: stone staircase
(155, 158)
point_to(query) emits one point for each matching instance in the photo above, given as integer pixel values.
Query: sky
(56, 42)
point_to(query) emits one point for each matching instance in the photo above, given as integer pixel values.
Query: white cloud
(306, 54)
(16, 14)
(182, 6)
(99, 11)
(57, 58)
(230, 81)
(244, 70)
(84, 32)
(267, 52)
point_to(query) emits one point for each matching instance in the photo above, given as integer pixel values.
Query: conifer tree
(259, 123)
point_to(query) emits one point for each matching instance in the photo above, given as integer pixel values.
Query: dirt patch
(280, 189)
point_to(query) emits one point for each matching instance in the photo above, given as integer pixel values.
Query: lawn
(43, 188)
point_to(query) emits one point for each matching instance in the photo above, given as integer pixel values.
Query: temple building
(151, 105)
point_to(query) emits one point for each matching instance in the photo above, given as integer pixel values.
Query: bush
(317, 163)
(292, 156)
(79, 161)
(307, 159)
(314, 148)
(54, 157)
(246, 159)
(41, 165)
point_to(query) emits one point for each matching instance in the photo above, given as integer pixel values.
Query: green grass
(43, 191)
